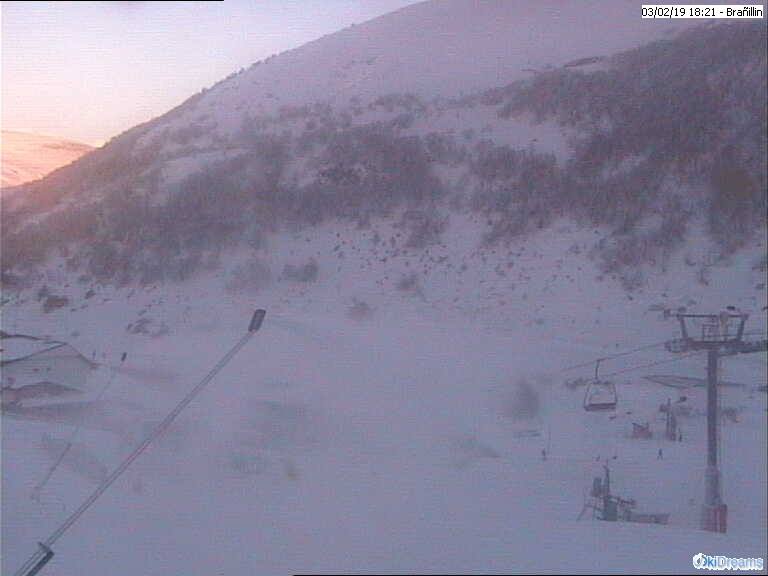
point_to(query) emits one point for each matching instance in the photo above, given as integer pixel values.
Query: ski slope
(389, 442)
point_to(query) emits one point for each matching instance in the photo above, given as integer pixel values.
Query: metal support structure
(717, 341)
(713, 505)
(39, 559)
(610, 509)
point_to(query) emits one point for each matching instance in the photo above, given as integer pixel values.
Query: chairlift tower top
(714, 334)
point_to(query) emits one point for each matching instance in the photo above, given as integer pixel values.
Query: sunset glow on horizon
(87, 71)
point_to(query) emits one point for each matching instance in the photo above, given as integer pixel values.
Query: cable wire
(611, 357)
(677, 359)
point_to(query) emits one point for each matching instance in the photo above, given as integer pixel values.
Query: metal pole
(712, 474)
(712, 408)
(44, 553)
(40, 559)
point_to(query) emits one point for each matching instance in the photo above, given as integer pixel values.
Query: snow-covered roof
(18, 347)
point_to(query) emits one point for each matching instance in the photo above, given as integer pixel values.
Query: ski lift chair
(601, 394)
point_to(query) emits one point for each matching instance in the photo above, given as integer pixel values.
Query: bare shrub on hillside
(736, 206)
(641, 107)
(409, 284)
(359, 310)
(250, 276)
(54, 302)
(301, 273)
(423, 227)
(518, 190)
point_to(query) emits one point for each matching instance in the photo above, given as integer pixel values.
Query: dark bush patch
(359, 310)
(409, 284)
(251, 276)
(523, 401)
(305, 273)
(53, 302)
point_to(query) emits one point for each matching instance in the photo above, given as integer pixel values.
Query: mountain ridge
(28, 157)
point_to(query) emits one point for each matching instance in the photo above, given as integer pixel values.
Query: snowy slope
(387, 442)
(433, 49)
(233, 163)
(27, 157)
(438, 48)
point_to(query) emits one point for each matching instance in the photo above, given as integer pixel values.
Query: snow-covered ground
(444, 48)
(389, 440)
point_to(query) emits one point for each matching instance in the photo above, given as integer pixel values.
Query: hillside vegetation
(658, 138)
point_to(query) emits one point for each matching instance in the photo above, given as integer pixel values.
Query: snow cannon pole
(44, 553)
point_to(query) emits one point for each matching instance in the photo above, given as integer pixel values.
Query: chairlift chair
(601, 394)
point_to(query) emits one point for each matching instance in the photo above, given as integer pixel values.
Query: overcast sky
(87, 71)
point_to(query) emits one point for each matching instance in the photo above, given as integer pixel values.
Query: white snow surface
(387, 443)
(471, 46)
(434, 49)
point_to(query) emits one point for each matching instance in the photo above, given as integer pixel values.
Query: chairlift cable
(640, 349)
(640, 367)
(612, 356)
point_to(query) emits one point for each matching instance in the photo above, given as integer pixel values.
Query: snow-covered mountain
(441, 210)
(511, 113)
(28, 157)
